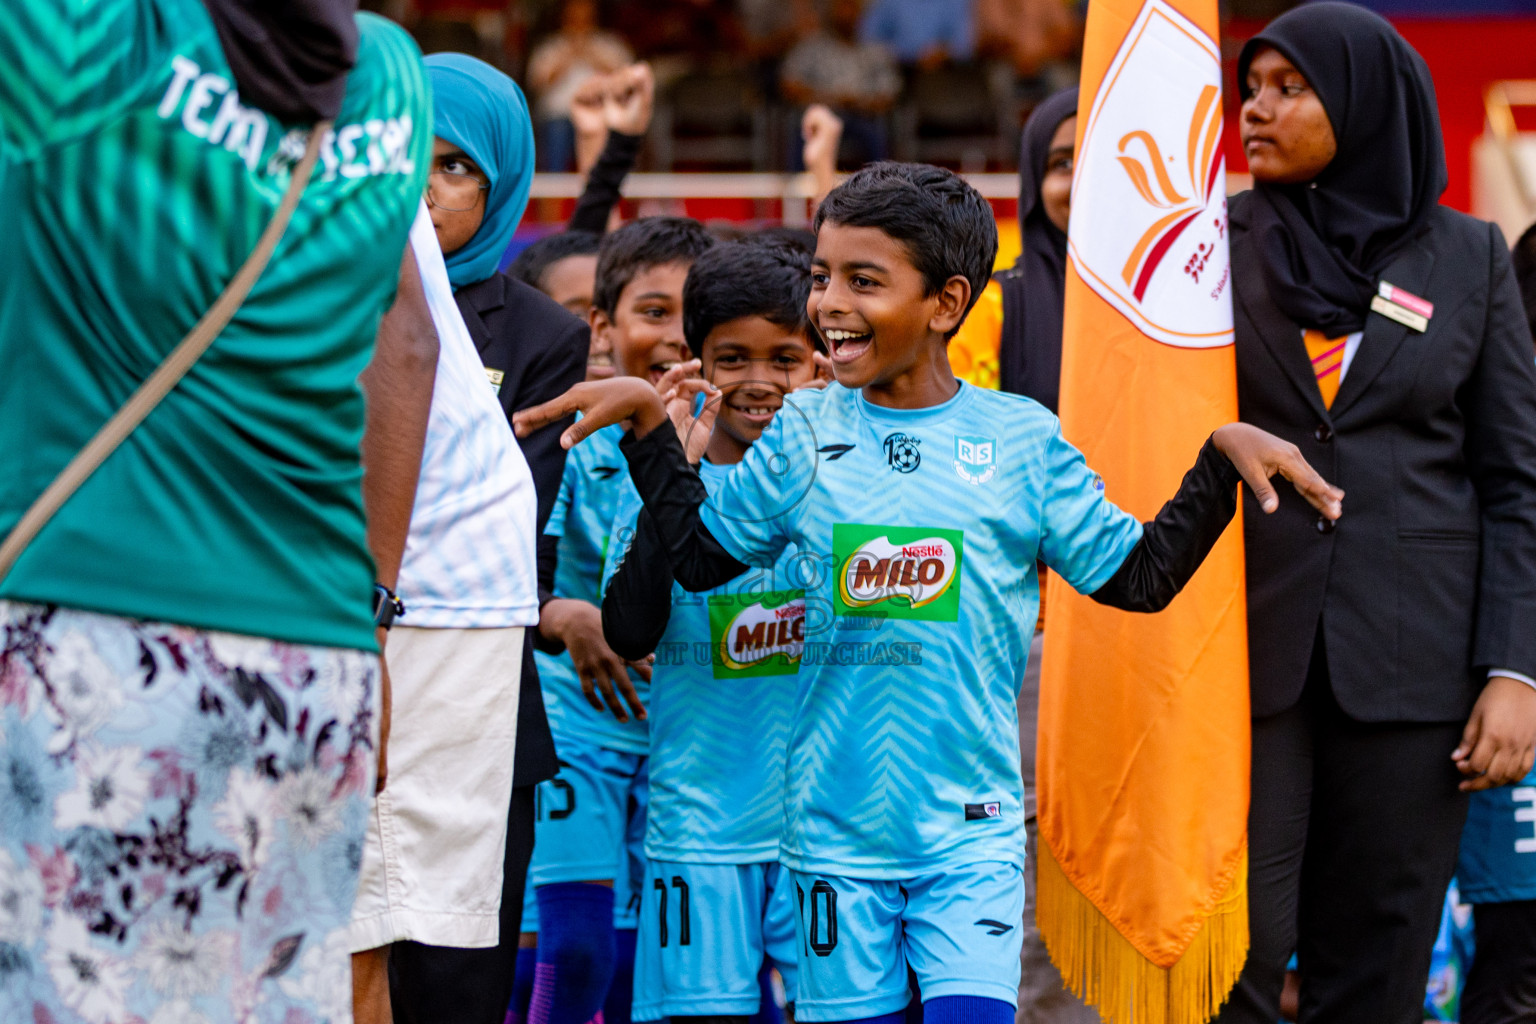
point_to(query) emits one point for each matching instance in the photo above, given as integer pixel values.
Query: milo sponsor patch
(901, 572)
(757, 634)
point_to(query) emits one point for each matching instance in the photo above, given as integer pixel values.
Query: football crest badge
(976, 459)
(901, 452)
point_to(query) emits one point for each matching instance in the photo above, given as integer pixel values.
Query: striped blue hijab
(483, 112)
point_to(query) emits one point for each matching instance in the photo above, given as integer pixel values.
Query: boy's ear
(953, 299)
(599, 322)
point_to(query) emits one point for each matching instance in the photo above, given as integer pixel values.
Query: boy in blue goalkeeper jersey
(715, 906)
(582, 902)
(927, 503)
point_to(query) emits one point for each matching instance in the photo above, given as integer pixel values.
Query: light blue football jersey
(594, 482)
(722, 697)
(918, 532)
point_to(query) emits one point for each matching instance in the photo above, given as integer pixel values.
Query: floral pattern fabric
(181, 822)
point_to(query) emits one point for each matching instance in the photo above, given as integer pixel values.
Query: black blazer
(540, 350)
(1429, 579)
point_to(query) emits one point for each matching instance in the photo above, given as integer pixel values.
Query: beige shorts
(437, 835)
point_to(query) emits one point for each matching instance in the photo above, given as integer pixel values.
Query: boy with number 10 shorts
(929, 502)
(716, 904)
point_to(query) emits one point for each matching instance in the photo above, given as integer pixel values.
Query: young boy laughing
(928, 502)
(715, 905)
(581, 900)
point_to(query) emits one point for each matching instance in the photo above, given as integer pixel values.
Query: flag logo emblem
(1149, 226)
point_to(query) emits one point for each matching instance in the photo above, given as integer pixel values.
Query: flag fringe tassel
(1104, 970)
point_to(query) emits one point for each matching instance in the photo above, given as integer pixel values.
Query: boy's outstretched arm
(1173, 545)
(668, 484)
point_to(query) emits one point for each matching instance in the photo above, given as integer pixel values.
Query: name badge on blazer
(1404, 307)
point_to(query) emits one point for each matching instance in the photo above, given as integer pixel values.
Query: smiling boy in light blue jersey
(715, 906)
(927, 503)
(582, 901)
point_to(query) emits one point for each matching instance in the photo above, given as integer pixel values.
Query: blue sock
(576, 953)
(522, 985)
(967, 1010)
(621, 993)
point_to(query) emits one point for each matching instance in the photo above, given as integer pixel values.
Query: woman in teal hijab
(482, 163)
(533, 350)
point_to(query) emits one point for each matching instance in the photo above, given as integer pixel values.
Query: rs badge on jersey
(757, 634)
(898, 572)
(976, 459)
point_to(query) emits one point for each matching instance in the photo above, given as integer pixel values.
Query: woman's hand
(628, 400)
(579, 626)
(1498, 745)
(1259, 455)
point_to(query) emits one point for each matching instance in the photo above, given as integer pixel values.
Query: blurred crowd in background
(945, 81)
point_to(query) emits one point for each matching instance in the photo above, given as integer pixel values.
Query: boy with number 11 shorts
(929, 502)
(715, 904)
(581, 901)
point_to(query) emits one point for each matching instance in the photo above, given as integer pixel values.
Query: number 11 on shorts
(684, 930)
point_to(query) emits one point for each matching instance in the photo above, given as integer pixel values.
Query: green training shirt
(135, 183)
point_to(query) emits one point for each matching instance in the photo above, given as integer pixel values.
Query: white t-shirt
(469, 558)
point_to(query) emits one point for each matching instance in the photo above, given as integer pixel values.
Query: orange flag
(1144, 728)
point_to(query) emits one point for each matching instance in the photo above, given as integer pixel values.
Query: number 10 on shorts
(821, 927)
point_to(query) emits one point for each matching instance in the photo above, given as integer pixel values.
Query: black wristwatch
(386, 606)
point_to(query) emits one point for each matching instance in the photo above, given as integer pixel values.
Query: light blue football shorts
(705, 932)
(590, 826)
(960, 931)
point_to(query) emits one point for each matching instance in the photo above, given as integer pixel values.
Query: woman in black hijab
(1392, 654)
(1029, 354)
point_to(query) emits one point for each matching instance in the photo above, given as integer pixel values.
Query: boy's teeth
(833, 335)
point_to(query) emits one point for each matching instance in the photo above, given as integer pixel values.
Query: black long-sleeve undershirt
(671, 543)
(1178, 538)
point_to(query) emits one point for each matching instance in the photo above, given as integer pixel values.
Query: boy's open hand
(601, 403)
(1259, 455)
(693, 431)
(667, 384)
(579, 626)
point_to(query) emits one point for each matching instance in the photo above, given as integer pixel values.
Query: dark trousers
(442, 985)
(1501, 986)
(1352, 835)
